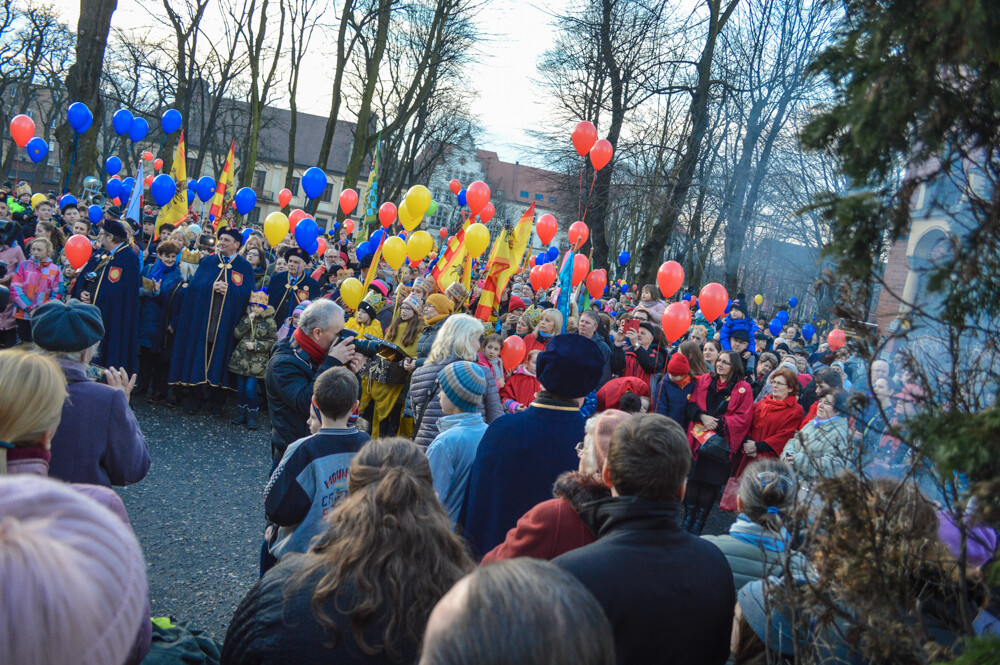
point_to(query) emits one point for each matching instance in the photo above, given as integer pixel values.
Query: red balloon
(601, 153)
(455, 186)
(676, 320)
(477, 195)
(22, 130)
(546, 228)
(550, 274)
(449, 240)
(284, 196)
(148, 180)
(670, 278)
(597, 281)
(581, 266)
(536, 278)
(77, 251)
(349, 226)
(322, 246)
(147, 155)
(444, 233)
(584, 135)
(387, 214)
(713, 299)
(512, 352)
(348, 199)
(531, 262)
(294, 218)
(486, 214)
(578, 234)
(836, 339)
(158, 164)
(117, 201)
(693, 303)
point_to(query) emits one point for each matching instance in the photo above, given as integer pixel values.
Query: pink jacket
(12, 256)
(35, 284)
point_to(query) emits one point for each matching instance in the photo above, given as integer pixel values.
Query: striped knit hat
(464, 383)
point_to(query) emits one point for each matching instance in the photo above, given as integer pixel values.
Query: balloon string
(162, 141)
(579, 190)
(72, 160)
(584, 218)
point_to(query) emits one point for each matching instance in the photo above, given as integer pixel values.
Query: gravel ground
(198, 513)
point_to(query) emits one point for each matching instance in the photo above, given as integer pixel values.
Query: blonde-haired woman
(458, 340)
(32, 392)
(549, 325)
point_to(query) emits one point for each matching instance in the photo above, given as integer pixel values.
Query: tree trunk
(338, 79)
(83, 84)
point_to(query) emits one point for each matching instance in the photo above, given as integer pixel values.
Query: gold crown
(375, 300)
(258, 298)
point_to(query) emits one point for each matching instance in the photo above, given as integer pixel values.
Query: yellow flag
(505, 259)
(176, 211)
(225, 180)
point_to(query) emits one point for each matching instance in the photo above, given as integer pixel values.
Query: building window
(321, 222)
(539, 197)
(327, 193)
(258, 181)
(190, 163)
(295, 186)
(524, 195)
(552, 199)
(499, 192)
(253, 217)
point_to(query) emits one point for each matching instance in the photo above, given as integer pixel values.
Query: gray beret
(66, 327)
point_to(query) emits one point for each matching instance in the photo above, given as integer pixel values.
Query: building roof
(523, 183)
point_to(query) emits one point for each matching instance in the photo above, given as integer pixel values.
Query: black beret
(114, 212)
(115, 228)
(232, 233)
(570, 366)
(66, 327)
(295, 251)
(739, 333)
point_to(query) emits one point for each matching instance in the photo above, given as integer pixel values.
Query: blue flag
(565, 289)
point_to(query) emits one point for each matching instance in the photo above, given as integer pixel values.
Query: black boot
(251, 418)
(700, 517)
(192, 404)
(688, 517)
(241, 416)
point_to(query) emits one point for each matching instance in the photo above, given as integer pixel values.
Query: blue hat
(464, 383)
(570, 366)
(66, 327)
(232, 233)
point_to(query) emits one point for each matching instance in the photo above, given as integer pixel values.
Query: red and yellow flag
(505, 259)
(451, 263)
(219, 200)
(176, 211)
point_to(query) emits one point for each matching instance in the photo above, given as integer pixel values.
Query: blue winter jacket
(152, 305)
(671, 400)
(731, 325)
(451, 455)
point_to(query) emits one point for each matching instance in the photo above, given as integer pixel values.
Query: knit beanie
(441, 303)
(464, 383)
(678, 365)
(72, 577)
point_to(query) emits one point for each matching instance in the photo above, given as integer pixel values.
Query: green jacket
(821, 451)
(263, 332)
(751, 562)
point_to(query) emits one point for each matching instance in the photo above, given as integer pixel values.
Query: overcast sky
(507, 102)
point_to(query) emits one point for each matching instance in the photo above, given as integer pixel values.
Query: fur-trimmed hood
(579, 489)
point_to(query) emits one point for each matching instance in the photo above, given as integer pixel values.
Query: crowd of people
(406, 449)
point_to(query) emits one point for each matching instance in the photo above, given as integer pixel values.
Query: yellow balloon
(418, 200)
(275, 227)
(351, 291)
(394, 252)
(758, 299)
(407, 219)
(38, 198)
(419, 246)
(477, 239)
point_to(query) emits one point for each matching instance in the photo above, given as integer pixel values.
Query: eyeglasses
(720, 361)
(579, 449)
(779, 384)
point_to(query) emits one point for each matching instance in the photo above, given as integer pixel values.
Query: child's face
(647, 296)
(492, 351)
(362, 316)
(168, 259)
(44, 212)
(147, 229)
(39, 251)
(530, 362)
(676, 378)
(736, 314)
(71, 215)
(295, 318)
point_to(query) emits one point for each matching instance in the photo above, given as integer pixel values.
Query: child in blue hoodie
(737, 320)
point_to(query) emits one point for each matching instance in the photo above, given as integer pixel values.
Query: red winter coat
(519, 390)
(810, 415)
(612, 391)
(531, 342)
(774, 423)
(737, 414)
(553, 527)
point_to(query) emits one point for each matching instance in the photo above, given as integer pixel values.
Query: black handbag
(716, 449)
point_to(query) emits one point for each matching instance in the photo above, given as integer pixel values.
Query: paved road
(198, 513)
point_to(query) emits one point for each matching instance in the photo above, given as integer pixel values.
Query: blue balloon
(540, 259)
(190, 196)
(95, 214)
(163, 189)
(814, 318)
(364, 249)
(624, 258)
(782, 316)
(687, 297)
(138, 130)
(128, 183)
(246, 233)
(206, 188)
(67, 200)
(193, 184)
(313, 248)
(336, 227)
(808, 330)
(245, 200)
(624, 288)
(313, 183)
(793, 301)
(79, 116)
(122, 121)
(551, 254)
(376, 239)
(306, 233)
(461, 198)
(37, 149)
(113, 187)
(775, 327)
(113, 165)
(170, 121)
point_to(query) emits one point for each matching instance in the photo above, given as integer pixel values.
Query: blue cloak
(152, 307)
(198, 358)
(517, 462)
(115, 291)
(283, 297)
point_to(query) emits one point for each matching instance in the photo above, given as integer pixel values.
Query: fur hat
(570, 366)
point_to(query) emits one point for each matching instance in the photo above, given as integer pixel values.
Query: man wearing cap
(214, 301)
(739, 341)
(288, 289)
(111, 281)
(522, 454)
(98, 440)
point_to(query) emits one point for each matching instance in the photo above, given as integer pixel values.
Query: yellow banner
(176, 211)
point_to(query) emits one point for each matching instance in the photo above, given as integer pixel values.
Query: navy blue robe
(199, 358)
(517, 462)
(115, 291)
(283, 298)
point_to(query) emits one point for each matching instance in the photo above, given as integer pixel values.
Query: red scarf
(306, 343)
(683, 382)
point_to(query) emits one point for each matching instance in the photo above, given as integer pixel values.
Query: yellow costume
(386, 397)
(373, 328)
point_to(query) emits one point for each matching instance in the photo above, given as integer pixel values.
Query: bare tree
(303, 17)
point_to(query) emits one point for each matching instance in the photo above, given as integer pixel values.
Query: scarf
(315, 351)
(434, 320)
(159, 270)
(752, 533)
(683, 382)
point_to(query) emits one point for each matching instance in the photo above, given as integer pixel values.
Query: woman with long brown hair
(388, 386)
(365, 590)
(696, 360)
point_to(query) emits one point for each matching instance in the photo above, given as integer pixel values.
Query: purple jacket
(11, 256)
(98, 440)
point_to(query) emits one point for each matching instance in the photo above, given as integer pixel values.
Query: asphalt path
(199, 512)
